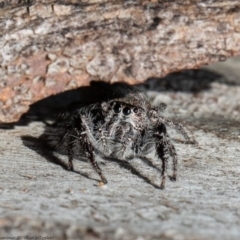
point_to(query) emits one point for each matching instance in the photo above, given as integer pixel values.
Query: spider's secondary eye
(135, 110)
(153, 115)
(117, 108)
(126, 111)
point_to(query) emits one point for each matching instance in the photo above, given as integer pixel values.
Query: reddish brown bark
(48, 47)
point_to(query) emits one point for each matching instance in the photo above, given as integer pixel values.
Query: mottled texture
(51, 46)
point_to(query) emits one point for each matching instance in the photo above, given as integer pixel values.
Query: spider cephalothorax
(122, 127)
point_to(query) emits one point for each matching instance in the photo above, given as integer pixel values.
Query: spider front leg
(165, 150)
(88, 148)
(90, 154)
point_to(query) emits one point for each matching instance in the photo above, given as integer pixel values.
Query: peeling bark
(51, 46)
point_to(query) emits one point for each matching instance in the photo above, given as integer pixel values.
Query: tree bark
(51, 46)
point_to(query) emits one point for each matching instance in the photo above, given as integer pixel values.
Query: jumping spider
(123, 126)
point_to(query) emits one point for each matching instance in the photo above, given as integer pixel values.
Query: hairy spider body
(122, 127)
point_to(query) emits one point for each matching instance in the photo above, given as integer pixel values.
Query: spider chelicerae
(122, 126)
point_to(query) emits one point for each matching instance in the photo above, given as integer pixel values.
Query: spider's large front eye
(117, 108)
(126, 111)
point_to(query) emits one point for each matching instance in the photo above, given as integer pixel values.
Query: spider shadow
(189, 81)
(41, 147)
(127, 165)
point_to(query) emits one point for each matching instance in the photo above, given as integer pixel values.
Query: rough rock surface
(40, 198)
(51, 46)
